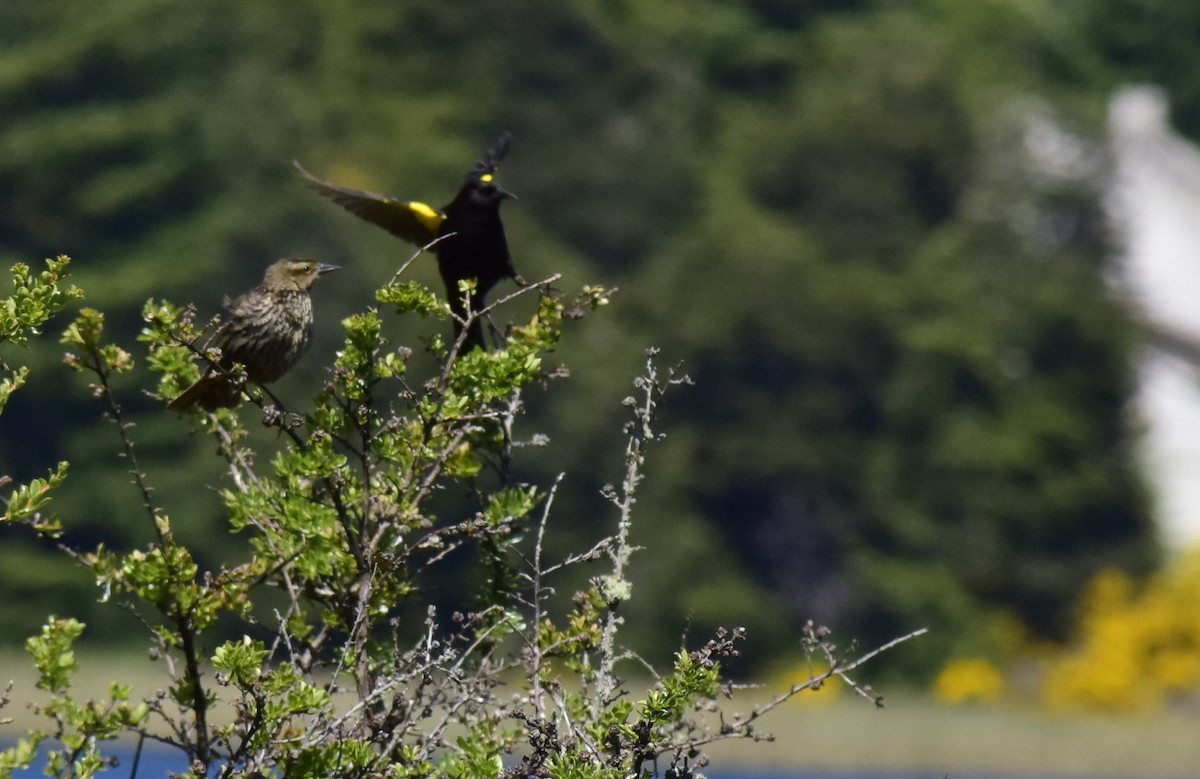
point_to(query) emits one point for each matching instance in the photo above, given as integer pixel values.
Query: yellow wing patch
(430, 217)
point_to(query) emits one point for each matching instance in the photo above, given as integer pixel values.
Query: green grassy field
(918, 735)
(911, 734)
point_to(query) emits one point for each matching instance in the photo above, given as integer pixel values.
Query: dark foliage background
(911, 374)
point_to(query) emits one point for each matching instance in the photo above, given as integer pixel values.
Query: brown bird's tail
(209, 393)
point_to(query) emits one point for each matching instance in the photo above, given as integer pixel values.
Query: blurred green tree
(911, 376)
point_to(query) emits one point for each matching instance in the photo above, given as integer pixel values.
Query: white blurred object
(1156, 206)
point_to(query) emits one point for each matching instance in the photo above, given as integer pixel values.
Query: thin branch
(427, 247)
(740, 726)
(615, 587)
(115, 414)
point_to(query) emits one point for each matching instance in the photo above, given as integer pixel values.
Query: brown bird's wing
(415, 222)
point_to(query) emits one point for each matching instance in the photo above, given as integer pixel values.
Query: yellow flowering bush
(1137, 646)
(971, 680)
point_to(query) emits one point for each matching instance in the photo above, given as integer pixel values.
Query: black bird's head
(480, 188)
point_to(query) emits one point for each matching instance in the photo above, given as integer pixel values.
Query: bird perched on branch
(473, 244)
(268, 329)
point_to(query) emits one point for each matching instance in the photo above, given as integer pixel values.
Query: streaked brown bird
(473, 245)
(268, 329)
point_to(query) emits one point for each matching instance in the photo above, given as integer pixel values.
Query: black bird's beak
(504, 193)
(323, 268)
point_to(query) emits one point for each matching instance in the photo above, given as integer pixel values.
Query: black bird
(474, 246)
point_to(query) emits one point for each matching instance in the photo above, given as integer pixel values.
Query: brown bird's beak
(323, 268)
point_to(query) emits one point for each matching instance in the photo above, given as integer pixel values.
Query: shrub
(1138, 645)
(341, 663)
(969, 680)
